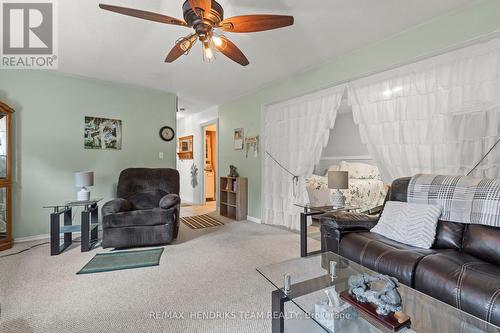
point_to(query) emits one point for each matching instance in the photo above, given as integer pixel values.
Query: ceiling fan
(204, 16)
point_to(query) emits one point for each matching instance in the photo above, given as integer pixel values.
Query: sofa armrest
(170, 201)
(349, 221)
(336, 225)
(173, 201)
(116, 206)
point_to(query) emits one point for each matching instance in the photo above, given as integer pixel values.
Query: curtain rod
(461, 45)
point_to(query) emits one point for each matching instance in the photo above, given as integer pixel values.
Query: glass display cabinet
(5, 177)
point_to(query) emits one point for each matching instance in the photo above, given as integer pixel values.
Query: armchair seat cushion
(146, 199)
(383, 255)
(463, 281)
(149, 217)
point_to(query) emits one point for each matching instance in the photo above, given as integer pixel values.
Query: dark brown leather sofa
(462, 268)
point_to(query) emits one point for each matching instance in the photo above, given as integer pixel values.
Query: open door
(210, 169)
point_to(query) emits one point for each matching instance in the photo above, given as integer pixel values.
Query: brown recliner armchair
(146, 212)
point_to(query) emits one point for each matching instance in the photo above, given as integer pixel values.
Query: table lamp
(82, 180)
(338, 180)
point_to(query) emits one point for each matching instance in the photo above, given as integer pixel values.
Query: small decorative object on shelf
(333, 313)
(338, 180)
(233, 172)
(378, 297)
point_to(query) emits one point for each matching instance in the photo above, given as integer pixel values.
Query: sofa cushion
(147, 199)
(412, 224)
(141, 218)
(483, 242)
(383, 255)
(449, 235)
(399, 189)
(463, 281)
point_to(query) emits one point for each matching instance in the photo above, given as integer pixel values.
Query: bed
(366, 189)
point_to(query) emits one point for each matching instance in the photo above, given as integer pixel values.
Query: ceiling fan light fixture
(208, 52)
(186, 45)
(217, 41)
(204, 16)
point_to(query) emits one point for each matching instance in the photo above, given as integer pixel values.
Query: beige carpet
(206, 270)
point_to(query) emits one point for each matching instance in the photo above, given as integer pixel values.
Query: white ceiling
(100, 44)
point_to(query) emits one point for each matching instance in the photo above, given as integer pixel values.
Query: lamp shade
(83, 179)
(338, 180)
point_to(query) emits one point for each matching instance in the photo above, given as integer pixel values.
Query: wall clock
(167, 133)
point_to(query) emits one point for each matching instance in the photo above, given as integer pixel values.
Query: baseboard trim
(254, 219)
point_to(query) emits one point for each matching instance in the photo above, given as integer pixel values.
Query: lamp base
(338, 200)
(83, 195)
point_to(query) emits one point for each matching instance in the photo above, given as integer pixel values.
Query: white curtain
(295, 133)
(440, 115)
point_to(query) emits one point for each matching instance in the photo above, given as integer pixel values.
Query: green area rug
(114, 261)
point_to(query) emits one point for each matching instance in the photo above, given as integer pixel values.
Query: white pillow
(360, 170)
(409, 223)
(333, 167)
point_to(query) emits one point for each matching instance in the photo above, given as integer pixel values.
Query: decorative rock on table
(386, 299)
(378, 297)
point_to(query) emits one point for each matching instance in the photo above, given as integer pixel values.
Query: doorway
(210, 165)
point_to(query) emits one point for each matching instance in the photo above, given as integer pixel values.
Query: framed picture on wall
(102, 133)
(239, 139)
(185, 148)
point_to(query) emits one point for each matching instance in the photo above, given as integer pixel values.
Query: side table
(89, 226)
(310, 210)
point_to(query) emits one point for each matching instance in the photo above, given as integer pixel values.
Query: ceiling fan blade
(205, 5)
(144, 15)
(232, 51)
(181, 47)
(254, 23)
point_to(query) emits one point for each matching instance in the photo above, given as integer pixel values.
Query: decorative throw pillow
(408, 223)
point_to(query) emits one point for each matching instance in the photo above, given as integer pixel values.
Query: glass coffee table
(310, 210)
(310, 278)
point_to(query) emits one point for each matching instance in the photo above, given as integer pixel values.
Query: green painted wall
(445, 31)
(48, 138)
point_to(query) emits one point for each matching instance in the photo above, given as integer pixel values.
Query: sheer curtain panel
(295, 133)
(440, 115)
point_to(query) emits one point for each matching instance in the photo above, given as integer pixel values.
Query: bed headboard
(326, 161)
